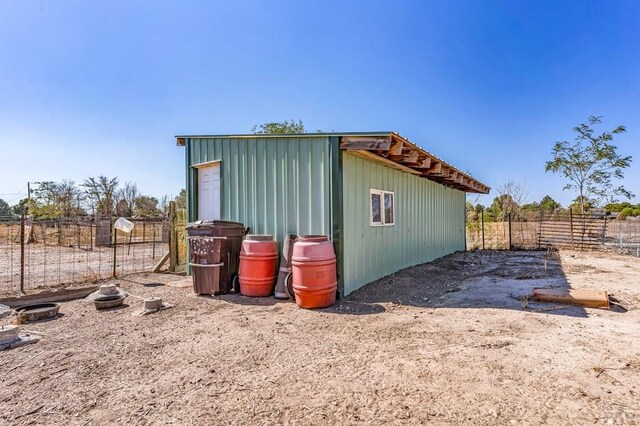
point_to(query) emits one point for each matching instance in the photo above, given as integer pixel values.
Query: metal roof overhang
(396, 151)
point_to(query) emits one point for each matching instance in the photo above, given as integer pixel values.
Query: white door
(209, 192)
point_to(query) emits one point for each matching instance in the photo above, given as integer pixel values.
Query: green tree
(56, 199)
(100, 192)
(501, 206)
(146, 206)
(17, 209)
(291, 127)
(627, 211)
(531, 208)
(549, 205)
(618, 207)
(181, 199)
(163, 204)
(128, 193)
(591, 163)
(5, 209)
(581, 205)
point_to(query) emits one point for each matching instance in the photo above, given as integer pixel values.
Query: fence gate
(103, 232)
(581, 231)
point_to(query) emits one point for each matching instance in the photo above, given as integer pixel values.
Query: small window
(382, 207)
(376, 215)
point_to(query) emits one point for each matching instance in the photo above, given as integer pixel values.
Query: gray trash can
(214, 254)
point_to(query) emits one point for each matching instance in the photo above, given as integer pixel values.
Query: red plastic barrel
(258, 266)
(313, 264)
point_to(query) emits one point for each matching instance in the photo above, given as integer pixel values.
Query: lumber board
(582, 297)
(408, 157)
(161, 262)
(425, 163)
(396, 147)
(46, 296)
(369, 143)
(435, 170)
(411, 157)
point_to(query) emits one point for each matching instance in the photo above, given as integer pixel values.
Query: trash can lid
(209, 224)
(259, 237)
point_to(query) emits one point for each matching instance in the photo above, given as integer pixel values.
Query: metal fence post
(540, 229)
(129, 246)
(115, 245)
(510, 247)
(22, 220)
(482, 221)
(173, 243)
(573, 246)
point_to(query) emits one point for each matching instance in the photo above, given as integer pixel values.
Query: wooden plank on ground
(581, 297)
(47, 296)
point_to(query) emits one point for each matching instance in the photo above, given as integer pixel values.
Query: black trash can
(214, 254)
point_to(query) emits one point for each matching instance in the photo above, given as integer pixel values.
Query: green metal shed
(386, 203)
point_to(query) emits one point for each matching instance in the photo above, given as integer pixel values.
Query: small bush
(627, 211)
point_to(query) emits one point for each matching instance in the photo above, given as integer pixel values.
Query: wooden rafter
(396, 147)
(369, 143)
(425, 163)
(435, 170)
(410, 157)
(395, 151)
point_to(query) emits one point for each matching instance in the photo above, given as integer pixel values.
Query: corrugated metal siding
(273, 185)
(430, 222)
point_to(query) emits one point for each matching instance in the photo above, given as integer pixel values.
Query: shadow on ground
(475, 279)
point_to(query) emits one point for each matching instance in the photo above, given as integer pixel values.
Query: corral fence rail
(558, 230)
(57, 252)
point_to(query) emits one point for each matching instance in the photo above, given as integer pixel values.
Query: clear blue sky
(90, 87)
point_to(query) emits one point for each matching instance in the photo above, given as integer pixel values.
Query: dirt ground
(450, 342)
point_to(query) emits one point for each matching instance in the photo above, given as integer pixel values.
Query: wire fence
(38, 254)
(566, 230)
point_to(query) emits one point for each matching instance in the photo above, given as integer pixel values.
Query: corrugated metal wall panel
(429, 222)
(274, 185)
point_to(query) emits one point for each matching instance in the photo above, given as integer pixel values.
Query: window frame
(381, 193)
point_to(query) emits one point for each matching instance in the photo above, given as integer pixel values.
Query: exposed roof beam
(425, 163)
(381, 160)
(435, 170)
(371, 143)
(396, 147)
(411, 157)
(396, 150)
